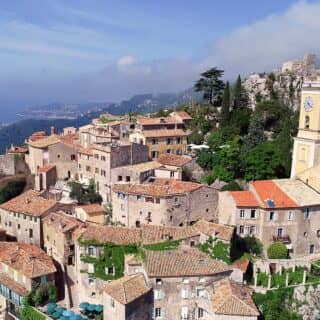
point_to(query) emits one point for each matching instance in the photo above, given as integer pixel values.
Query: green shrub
(277, 250)
(29, 313)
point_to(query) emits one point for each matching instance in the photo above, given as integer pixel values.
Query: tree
(225, 108)
(255, 134)
(277, 250)
(240, 98)
(253, 245)
(263, 162)
(211, 85)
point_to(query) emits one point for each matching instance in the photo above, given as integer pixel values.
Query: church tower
(306, 150)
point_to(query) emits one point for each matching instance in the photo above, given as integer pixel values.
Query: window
(79, 166)
(202, 279)
(311, 249)
(280, 232)
(119, 178)
(271, 216)
(30, 218)
(192, 243)
(305, 234)
(159, 281)
(122, 207)
(73, 157)
(157, 312)
(157, 200)
(154, 141)
(158, 295)
(201, 292)
(307, 122)
(10, 223)
(169, 141)
(241, 229)
(171, 174)
(88, 168)
(178, 140)
(18, 226)
(103, 158)
(307, 213)
(290, 215)
(127, 178)
(96, 170)
(35, 219)
(252, 230)
(168, 151)
(90, 281)
(91, 251)
(242, 213)
(139, 197)
(96, 156)
(58, 156)
(184, 293)
(185, 280)
(200, 313)
(30, 233)
(253, 214)
(171, 218)
(112, 302)
(184, 313)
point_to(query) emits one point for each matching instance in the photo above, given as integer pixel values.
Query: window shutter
(276, 216)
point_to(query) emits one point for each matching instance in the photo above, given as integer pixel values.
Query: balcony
(284, 239)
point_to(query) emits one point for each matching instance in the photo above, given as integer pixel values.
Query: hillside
(143, 103)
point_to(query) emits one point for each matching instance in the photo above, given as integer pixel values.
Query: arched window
(307, 122)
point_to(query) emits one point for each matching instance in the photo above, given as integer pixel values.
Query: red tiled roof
(29, 203)
(159, 188)
(241, 264)
(165, 133)
(233, 299)
(219, 231)
(92, 208)
(13, 285)
(182, 262)
(173, 160)
(26, 258)
(61, 221)
(128, 288)
(159, 120)
(268, 190)
(46, 168)
(244, 199)
(183, 115)
(87, 151)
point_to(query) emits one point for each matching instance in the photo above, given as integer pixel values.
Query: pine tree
(225, 109)
(211, 85)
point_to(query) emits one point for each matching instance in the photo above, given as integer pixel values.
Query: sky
(107, 50)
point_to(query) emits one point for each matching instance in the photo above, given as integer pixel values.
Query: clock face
(308, 104)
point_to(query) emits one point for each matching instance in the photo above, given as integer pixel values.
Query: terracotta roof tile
(87, 151)
(158, 120)
(173, 160)
(233, 299)
(13, 285)
(244, 199)
(61, 221)
(219, 231)
(29, 203)
(165, 133)
(271, 196)
(26, 258)
(92, 208)
(183, 115)
(46, 168)
(44, 142)
(241, 264)
(159, 188)
(182, 262)
(127, 289)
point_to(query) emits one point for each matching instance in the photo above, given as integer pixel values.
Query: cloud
(126, 61)
(264, 45)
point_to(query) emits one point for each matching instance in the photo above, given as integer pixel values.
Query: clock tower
(306, 150)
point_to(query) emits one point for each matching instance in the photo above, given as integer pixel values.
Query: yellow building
(306, 151)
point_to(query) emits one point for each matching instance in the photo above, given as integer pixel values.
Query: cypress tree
(225, 109)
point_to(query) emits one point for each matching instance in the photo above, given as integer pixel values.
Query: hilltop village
(114, 225)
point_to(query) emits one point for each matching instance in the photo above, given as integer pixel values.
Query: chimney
(52, 130)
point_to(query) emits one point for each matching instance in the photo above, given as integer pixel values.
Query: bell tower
(306, 149)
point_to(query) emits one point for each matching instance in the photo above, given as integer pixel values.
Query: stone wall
(7, 165)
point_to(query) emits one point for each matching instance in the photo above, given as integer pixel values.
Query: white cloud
(267, 43)
(126, 60)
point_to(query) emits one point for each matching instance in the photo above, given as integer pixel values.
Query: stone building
(167, 202)
(128, 298)
(187, 284)
(23, 267)
(58, 229)
(275, 210)
(163, 134)
(54, 150)
(90, 213)
(95, 163)
(22, 216)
